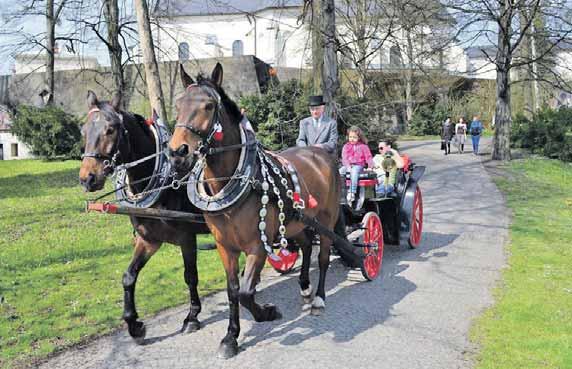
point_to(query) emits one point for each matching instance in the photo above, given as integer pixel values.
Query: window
(14, 150)
(395, 56)
(237, 48)
(1, 152)
(280, 55)
(210, 40)
(184, 51)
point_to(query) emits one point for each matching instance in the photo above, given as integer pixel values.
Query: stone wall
(243, 75)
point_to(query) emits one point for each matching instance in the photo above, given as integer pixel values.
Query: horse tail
(340, 227)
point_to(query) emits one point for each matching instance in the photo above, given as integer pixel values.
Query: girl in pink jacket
(355, 156)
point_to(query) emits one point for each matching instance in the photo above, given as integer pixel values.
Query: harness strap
(217, 150)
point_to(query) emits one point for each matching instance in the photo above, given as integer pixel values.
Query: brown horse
(202, 109)
(108, 133)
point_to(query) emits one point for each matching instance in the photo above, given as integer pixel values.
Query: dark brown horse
(108, 133)
(204, 106)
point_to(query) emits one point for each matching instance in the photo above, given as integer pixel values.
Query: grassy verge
(417, 138)
(61, 269)
(530, 326)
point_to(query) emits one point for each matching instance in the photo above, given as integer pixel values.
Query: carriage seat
(366, 179)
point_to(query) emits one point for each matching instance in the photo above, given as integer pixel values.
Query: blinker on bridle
(108, 161)
(214, 130)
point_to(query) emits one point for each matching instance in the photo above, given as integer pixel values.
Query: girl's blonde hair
(359, 132)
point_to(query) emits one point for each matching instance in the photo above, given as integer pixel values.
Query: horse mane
(128, 117)
(230, 105)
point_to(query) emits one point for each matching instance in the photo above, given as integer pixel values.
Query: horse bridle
(206, 138)
(109, 161)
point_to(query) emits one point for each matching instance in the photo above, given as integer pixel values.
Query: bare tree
(330, 72)
(43, 43)
(506, 24)
(111, 12)
(151, 68)
(364, 29)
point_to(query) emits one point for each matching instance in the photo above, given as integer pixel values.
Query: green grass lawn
(530, 326)
(417, 138)
(61, 269)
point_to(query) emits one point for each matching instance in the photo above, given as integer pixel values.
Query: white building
(271, 31)
(10, 147)
(479, 64)
(36, 63)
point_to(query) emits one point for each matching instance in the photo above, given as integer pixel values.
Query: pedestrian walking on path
(476, 132)
(447, 133)
(461, 134)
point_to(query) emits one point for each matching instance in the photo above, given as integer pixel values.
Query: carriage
(371, 222)
(248, 176)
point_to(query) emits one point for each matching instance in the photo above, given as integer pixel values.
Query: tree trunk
(360, 33)
(409, 78)
(534, 55)
(317, 48)
(50, 49)
(503, 118)
(111, 13)
(149, 60)
(330, 72)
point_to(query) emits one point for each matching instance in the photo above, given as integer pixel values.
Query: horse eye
(209, 106)
(109, 131)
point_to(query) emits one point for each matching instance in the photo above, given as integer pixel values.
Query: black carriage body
(395, 210)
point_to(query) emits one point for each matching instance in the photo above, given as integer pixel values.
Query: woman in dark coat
(447, 134)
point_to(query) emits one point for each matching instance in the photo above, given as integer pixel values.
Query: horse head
(204, 112)
(103, 135)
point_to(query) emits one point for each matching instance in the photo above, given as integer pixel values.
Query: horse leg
(142, 253)
(254, 265)
(189, 251)
(305, 242)
(229, 345)
(319, 302)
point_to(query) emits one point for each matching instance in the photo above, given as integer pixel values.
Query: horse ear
(185, 78)
(216, 75)
(116, 101)
(91, 99)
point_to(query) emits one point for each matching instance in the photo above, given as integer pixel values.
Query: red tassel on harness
(296, 197)
(149, 121)
(218, 134)
(312, 202)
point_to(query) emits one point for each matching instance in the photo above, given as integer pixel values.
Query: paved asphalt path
(417, 315)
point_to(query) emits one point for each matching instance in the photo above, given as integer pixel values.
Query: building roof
(479, 51)
(170, 8)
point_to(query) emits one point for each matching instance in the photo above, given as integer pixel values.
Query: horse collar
(237, 187)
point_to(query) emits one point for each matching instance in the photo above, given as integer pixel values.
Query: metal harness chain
(268, 180)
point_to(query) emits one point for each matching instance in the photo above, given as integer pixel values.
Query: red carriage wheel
(416, 219)
(286, 262)
(373, 235)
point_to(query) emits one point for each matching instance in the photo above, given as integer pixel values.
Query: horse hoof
(272, 312)
(317, 311)
(137, 331)
(227, 349)
(318, 306)
(191, 326)
(306, 295)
